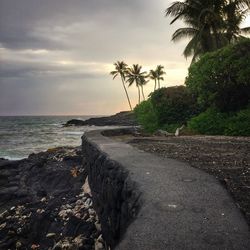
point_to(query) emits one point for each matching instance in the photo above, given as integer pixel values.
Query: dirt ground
(226, 158)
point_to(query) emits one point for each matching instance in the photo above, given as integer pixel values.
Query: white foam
(13, 158)
(73, 132)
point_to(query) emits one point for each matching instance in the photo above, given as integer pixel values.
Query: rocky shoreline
(125, 118)
(43, 204)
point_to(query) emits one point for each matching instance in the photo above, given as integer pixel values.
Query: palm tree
(134, 75)
(235, 13)
(144, 82)
(160, 72)
(200, 17)
(153, 76)
(210, 23)
(120, 69)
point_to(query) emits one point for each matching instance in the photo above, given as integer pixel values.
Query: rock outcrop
(124, 118)
(43, 206)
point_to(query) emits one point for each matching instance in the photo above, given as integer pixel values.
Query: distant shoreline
(123, 118)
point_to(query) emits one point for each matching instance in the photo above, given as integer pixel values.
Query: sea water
(23, 135)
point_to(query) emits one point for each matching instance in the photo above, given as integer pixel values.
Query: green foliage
(239, 124)
(171, 128)
(212, 122)
(146, 116)
(209, 24)
(173, 105)
(221, 79)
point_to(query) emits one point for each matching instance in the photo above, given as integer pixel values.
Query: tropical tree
(211, 24)
(235, 13)
(144, 82)
(153, 76)
(160, 72)
(135, 75)
(120, 70)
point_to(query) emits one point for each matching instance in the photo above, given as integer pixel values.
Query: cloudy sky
(56, 55)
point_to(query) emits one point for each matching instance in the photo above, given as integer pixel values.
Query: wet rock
(18, 245)
(46, 208)
(41, 193)
(2, 226)
(4, 214)
(50, 235)
(99, 246)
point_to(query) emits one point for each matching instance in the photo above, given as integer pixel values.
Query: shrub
(210, 122)
(239, 124)
(173, 105)
(221, 79)
(213, 122)
(171, 128)
(146, 116)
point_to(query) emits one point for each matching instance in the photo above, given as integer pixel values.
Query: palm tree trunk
(159, 86)
(216, 36)
(126, 93)
(155, 85)
(142, 93)
(139, 95)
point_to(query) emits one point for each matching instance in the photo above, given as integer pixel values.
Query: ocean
(23, 135)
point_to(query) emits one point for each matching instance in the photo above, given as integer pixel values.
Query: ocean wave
(55, 124)
(73, 132)
(11, 158)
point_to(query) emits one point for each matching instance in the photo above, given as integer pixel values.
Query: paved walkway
(184, 208)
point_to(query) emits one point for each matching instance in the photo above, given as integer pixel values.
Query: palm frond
(242, 3)
(115, 76)
(190, 48)
(183, 33)
(175, 9)
(245, 30)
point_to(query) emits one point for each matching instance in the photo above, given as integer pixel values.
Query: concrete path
(183, 207)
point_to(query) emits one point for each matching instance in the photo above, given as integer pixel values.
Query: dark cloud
(31, 24)
(23, 39)
(38, 70)
(70, 46)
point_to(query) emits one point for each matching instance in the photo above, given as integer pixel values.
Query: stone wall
(116, 197)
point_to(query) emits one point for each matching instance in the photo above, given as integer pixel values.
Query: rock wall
(116, 197)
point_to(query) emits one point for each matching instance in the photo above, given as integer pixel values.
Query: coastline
(43, 204)
(43, 199)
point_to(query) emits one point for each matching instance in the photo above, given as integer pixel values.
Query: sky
(56, 55)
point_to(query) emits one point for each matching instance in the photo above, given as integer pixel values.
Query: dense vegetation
(173, 105)
(146, 116)
(215, 100)
(212, 122)
(221, 79)
(166, 108)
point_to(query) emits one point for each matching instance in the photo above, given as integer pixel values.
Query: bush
(146, 116)
(171, 128)
(239, 124)
(173, 105)
(212, 122)
(221, 79)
